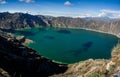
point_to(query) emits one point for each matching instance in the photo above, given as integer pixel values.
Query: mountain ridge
(24, 20)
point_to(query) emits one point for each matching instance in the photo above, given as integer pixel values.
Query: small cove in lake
(70, 45)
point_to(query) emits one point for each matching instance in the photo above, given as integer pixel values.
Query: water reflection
(64, 31)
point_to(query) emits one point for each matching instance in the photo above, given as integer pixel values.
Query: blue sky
(72, 8)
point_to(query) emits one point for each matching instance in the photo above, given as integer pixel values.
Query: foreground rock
(23, 40)
(3, 73)
(27, 41)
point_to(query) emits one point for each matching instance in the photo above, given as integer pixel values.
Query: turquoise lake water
(70, 45)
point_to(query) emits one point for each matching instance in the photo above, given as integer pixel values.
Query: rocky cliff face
(20, 20)
(110, 26)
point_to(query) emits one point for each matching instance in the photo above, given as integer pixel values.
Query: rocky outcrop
(20, 38)
(3, 73)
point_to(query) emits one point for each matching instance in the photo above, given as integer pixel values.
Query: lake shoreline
(100, 31)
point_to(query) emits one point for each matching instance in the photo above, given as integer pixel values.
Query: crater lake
(70, 45)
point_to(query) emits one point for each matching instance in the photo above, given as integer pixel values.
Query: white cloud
(3, 2)
(103, 13)
(67, 3)
(109, 13)
(27, 1)
(85, 15)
